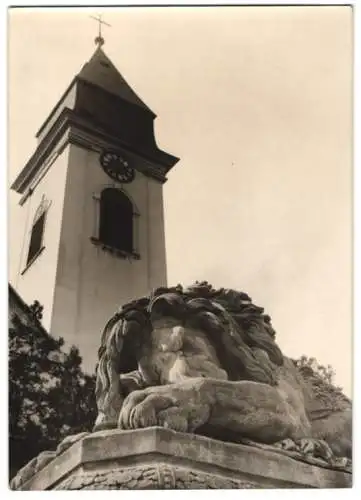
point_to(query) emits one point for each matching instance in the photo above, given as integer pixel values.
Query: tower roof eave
(61, 131)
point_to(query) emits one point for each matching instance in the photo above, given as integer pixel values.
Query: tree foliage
(49, 395)
(321, 379)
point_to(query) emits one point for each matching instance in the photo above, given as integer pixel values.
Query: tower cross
(99, 39)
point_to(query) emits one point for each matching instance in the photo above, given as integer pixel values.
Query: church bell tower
(92, 193)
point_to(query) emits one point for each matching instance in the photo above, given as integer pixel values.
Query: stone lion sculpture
(205, 361)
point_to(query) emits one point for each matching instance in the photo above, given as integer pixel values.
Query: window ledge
(115, 251)
(31, 261)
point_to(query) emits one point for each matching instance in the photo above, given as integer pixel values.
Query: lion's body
(206, 361)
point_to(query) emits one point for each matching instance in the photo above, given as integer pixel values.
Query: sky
(257, 103)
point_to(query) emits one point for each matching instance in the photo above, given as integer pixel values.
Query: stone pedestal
(158, 458)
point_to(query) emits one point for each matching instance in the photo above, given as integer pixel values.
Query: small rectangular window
(36, 237)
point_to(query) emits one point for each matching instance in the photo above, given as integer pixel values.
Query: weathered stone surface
(208, 369)
(158, 458)
(147, 477)
(206, 361)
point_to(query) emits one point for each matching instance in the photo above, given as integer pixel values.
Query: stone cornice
(116, 451)
(42, 152)
(83, 133)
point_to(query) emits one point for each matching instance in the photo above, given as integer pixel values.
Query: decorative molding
(115, 251)
(38, 176)
(90, 138)
(159, 458)
(158, 476)
(80, 132)
(38, 160)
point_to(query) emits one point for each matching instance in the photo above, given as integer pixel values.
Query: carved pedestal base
(158, 458)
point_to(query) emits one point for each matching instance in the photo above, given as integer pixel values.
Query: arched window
(116, 220)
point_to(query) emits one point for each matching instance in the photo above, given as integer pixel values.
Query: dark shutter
(36, 237)
(116, 220)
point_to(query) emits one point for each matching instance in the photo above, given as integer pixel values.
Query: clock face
(117, 167)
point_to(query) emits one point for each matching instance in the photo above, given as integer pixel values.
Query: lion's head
(239, 331)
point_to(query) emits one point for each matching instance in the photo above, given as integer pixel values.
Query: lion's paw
(316, 448)
(165, 407)
(286, 444)
(141, 408)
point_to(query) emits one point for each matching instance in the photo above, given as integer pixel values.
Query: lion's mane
(239, 330)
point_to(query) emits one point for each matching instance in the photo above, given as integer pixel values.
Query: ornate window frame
(95, 239)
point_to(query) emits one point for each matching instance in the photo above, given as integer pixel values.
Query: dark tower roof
(100, 104)
(100, 71)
